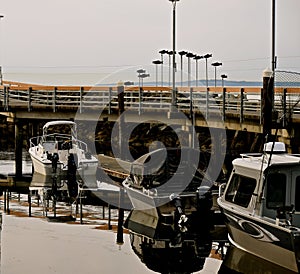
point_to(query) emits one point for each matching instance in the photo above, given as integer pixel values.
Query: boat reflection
(163, 247)
(239, 261)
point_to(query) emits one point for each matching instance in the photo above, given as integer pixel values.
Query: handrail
(229, 100)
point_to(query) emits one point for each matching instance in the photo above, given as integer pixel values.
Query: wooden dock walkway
(235, 108)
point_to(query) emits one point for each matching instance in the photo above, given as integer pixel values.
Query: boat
(261, 206)
(171, 183)
(59, 152)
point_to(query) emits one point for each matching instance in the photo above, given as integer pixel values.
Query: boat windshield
(240, 190)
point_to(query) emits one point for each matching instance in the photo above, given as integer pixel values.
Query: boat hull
(262, 239)
(44, 167)
(87, 168)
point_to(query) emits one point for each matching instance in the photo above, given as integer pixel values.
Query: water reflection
(161, 256)
(239, 261)
(52, 187)
(164, 248)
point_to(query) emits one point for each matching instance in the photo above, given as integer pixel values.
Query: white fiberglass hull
(44, 166)
(86, 167)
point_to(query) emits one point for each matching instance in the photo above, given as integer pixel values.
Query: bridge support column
(18, 148)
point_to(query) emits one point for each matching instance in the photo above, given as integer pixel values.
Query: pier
(239, 109)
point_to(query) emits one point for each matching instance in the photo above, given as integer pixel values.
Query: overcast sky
(108, 35)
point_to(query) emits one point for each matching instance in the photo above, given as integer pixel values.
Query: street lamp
(1, 16)
(181, 53)
(162, 52)
(156, 62)
(197, 57)
(223, 76)
(206, 56)
(140, 72)
(189, 55)
(174, 2)
(128, 83)
(141, 75)
(216, 64)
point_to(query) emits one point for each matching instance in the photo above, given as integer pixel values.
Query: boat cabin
(267, 185)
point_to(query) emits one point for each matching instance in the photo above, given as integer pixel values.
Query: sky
(110, 36)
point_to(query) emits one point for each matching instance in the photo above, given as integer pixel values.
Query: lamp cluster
(190, 56)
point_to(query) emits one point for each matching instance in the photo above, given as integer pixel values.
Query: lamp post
(140, 72)
(274, 57)
(206, 56)
(223, 76)
(174, 2)
(273, 36)
(181, 53)
(162, 52)
(1, 16)
(141, 75)
(156, 63)
(197, 57)
(170, 53)
(216, 64)
(189, 55)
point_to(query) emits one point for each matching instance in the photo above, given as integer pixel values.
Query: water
(235, 261)
(7, 163)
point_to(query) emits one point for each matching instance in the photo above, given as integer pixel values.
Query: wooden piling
(267, 102)
(18, 148)
(109, 217)
(29, 203)
(120, 239)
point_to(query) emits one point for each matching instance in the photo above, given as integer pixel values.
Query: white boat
(176, 190)
(261, 205)
(59, 152)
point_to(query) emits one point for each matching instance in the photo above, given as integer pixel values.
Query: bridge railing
(226, 101)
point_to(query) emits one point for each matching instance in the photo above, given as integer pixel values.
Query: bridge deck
(231, 107)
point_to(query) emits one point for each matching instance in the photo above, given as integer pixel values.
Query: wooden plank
(112, 167)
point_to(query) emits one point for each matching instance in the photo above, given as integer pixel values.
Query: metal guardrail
(229, 100)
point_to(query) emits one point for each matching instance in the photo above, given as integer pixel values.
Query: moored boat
(59, 152)
(171, 182)
(261, 205)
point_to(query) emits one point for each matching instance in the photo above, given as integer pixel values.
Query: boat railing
(34, 141)
(82, 145)
(251, 155)
(221, 189)
(55, 137)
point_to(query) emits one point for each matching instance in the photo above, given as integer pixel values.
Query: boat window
(276, 190)
(240, 190)
(297, 194)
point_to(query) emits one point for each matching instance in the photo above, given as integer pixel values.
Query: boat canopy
(56, 123)
(250, 164)
(71, 124)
